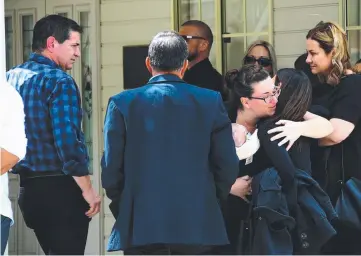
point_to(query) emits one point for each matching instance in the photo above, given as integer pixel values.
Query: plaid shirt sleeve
(66, 118)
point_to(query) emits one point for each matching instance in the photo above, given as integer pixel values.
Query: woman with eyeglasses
(263, 54)
(255, 100)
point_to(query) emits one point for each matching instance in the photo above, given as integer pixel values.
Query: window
(243, 22)
(27, 24)
(228, 19)
(9, 42)
(203, 10)
(86, 83)
(353, 28)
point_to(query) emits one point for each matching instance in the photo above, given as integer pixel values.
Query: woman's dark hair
(296, 94)
(295, 97)
(240, 83)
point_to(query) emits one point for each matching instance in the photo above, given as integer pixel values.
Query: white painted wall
(125, 22)
(292, 20)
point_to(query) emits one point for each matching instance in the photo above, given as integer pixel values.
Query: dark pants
(168, 249)
(5, 228)
(55, 209)
(236, 213)
(347, 241)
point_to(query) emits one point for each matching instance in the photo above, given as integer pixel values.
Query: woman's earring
(333, 62)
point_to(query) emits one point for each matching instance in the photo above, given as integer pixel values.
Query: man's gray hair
(167, 51)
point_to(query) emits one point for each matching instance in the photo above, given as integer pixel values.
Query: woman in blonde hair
(263, 54)
(340, 152)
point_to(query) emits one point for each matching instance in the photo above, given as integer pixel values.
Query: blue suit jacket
(169, 157)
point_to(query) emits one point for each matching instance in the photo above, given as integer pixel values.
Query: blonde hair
(332, 38)
(271, 52)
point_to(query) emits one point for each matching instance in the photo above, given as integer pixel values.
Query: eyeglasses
(187, 38)
(270, 97)
(263, 61)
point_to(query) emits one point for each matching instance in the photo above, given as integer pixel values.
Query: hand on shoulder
(239, 133)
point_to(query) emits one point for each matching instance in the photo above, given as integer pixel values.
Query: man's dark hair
(203, 28)
(167, 51)
(52, 25)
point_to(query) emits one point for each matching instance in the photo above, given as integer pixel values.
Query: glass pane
(251, 39)
(232, 16)
(87, 85)
(233, 53)
(64, 14)
(353, 12)
(208, 13)
(9, 33)
(27, 35)
(257, 16)
(354, 39)
(188, 10)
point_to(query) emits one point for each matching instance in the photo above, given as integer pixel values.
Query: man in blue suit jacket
(169, 158)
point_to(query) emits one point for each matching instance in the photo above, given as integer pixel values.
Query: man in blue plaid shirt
(57, 199)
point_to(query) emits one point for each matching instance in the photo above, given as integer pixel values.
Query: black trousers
(169, 249)
(347, 241)
(55, 209)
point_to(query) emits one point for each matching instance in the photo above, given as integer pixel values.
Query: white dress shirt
(12, 137)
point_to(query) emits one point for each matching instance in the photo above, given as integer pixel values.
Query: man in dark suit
(169, 158)
(200, 71)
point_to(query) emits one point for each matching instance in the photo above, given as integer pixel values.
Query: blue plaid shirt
(53, 119)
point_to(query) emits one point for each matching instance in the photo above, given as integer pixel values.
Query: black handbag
(348, 204)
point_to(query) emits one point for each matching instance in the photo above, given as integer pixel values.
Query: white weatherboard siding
(292, 20)
(125, 22)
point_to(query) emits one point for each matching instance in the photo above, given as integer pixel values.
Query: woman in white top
(12, 147)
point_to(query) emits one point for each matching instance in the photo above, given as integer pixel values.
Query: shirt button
(303, 235)
(305, 245)
(260, 218)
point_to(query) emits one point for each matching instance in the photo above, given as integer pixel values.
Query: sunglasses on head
(263, 61)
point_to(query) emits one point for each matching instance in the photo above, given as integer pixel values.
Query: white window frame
(343, 17)
(20, 46)
(11, 14)
(218, 33)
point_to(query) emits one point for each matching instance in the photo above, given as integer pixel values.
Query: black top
(268, 155)
(272, 155)
(344, 102)
(204, 75)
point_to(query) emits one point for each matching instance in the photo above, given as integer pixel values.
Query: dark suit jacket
(204, 75)
(169, 157)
